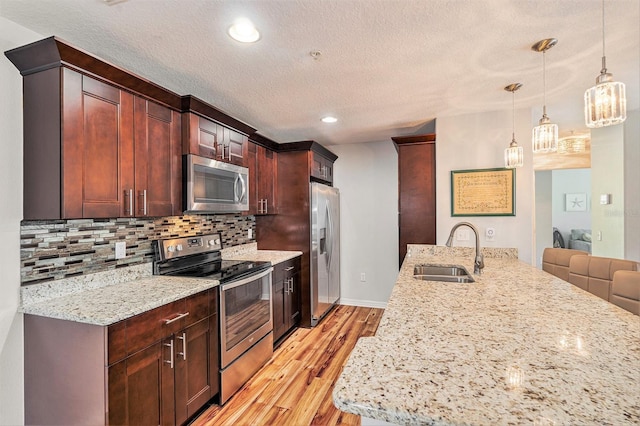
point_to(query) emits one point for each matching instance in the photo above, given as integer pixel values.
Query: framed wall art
(575, 202)
(483, 192)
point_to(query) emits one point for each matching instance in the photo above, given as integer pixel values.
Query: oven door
(215, 187)
(245, 314)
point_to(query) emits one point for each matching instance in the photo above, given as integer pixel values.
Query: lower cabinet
(286, 297)
(156, 368)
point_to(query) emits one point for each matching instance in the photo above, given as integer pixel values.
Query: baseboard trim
(363, 303)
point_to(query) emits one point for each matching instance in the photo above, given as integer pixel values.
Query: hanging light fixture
(544, 136)
(605, 104)
(514, 155)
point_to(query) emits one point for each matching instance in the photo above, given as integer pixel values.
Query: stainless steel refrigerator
(325, 250)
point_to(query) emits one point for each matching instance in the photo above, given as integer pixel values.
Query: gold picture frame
(483, 192)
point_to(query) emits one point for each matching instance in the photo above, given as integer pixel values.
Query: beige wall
(477, 141)
(367, 176)
(607, 177)
(632, 185)
(11, 341)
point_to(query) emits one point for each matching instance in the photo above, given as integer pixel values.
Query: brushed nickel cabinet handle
(170, 345)
(176, 318)
(184, 346)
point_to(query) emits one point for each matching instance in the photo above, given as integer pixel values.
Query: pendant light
(605, 104)
(544, 136)
(514, 155)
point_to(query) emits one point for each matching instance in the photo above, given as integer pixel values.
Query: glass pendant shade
(513, 156)
(545, 136)
(605, 104)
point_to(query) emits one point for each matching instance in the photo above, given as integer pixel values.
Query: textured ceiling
(387, 67)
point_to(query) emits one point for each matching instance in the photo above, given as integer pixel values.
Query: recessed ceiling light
(329, 119)
(244, 31)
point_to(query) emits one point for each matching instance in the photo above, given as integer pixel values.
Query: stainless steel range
(246, 318)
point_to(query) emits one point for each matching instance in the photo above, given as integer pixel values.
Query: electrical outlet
(121, 249)
(462, 235)
(490, 234)
(363, 277)
(250, 234)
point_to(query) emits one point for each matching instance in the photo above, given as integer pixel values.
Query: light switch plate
(121, 249)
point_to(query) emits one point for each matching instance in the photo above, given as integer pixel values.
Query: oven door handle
(233, 284)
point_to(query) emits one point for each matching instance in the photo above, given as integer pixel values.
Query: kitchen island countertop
(518, 346)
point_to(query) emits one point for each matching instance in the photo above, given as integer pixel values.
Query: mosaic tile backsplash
(51, 250)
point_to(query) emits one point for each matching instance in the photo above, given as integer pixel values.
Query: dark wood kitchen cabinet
(321, 168)
(157, 160)
(416, 190)
(263, 174)
(286, 297)
(290, 229)
(159, 367)
(210, 133)
(93, 148)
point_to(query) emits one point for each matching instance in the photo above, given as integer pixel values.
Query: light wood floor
(295, 387)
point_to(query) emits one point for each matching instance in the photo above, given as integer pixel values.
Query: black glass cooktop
(224, 270)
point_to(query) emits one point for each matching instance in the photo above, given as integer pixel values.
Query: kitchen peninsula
(518, 346)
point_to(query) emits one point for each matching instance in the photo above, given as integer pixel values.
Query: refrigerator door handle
(329, 236)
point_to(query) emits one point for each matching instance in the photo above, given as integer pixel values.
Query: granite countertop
(250, 252)
(107, 297)
(518, 346)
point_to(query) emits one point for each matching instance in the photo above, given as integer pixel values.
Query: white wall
(571, 181)
(607, 177)
(11, 335)
(367, 176)
(544, 216)
(477, 141)
(632, 186)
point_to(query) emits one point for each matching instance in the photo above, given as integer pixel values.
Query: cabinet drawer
(138, 332)
(286, 269)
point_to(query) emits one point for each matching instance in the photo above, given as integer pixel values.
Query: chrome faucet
(478, 264)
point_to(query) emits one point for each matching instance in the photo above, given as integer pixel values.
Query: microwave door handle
(244, 188)
(237, 197)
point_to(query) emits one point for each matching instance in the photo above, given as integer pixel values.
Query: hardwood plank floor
(295, 387)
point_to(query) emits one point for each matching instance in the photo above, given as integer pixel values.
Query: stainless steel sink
(449, 273)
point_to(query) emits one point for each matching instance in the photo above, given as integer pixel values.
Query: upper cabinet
(93, 146)
(320, 159)
(263, 172)
(211, 133)
(416, 190)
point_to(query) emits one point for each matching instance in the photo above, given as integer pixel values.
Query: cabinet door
(236, 146)
(279, 319)
(252, 164)
(267, 180)
(140, 388)
(158, 162)
(292, 300)
(201, 136)
(98, 152)
(321, 168)
(417, 195)
(196, 377)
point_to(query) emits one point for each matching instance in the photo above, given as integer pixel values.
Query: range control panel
(178, 247)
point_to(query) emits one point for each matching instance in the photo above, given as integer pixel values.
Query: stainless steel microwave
(211, 186)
